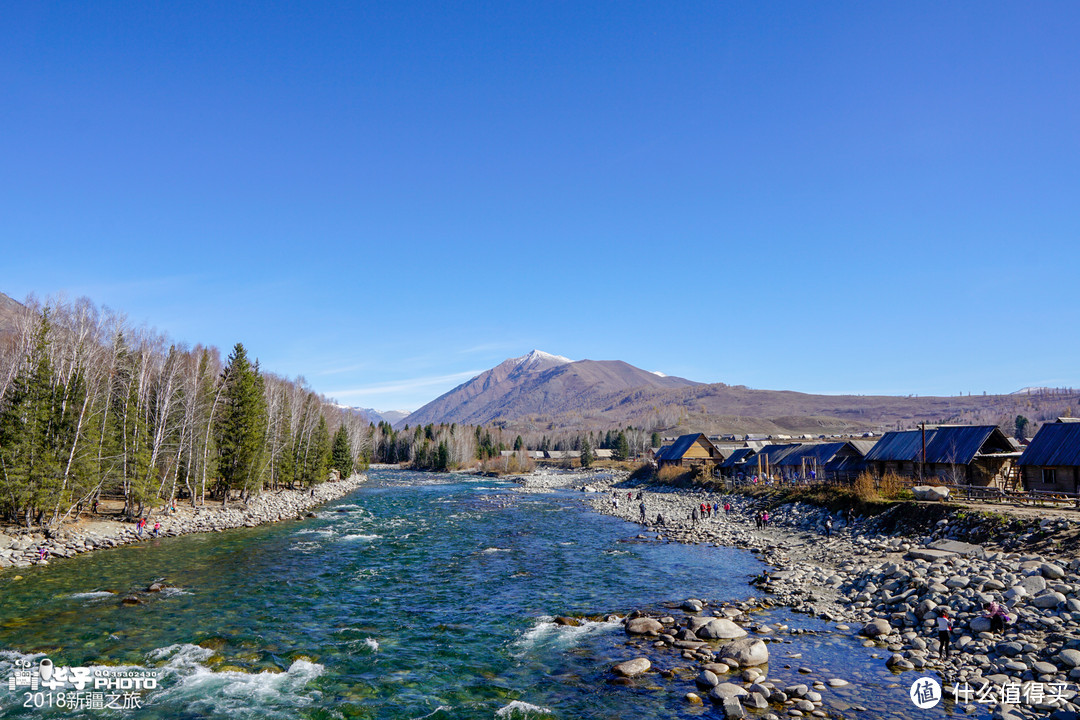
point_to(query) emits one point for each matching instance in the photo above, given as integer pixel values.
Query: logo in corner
(925, 693)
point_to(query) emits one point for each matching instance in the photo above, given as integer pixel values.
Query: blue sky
(387, 198)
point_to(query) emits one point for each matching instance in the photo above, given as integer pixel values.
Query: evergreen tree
(519, 444)
(586, 453)
(442, 458)
(622, 447)
(1021, 427)
(241, 425)
(341, 454)
(656, 440)
(320, 454)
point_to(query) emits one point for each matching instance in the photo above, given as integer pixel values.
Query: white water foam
(547, 632)
(231, 693)
(96, 595)
(315, 532)
(360, 537)
(372, 643)
(494, 550)
(173, 592)
(517, 708)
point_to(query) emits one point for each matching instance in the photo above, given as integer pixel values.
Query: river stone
(877, 627)
(707, 679)
(727, 690)
(957, 582)
(1044, 668)
(720, 629)
(1033, 584)
(733, 709)
(692, 605)
(644, 626)
(696, 622)
(5, 541)
(745, 651)
(757, 701)
(1010, 649)
(959, 547)
(632, 668)
(1069, 658)
(927, 492)
(693, 698)
(1050, 571)
(837, 682)
(1049, 600)
(980, 624)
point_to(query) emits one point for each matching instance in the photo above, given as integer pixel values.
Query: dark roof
(863, 446)
(737, 457)
(776, 453)
(1054, 444)
(821, 452)
(951, 444)
(677, 449)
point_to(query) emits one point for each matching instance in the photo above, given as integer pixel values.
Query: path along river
(419, 595)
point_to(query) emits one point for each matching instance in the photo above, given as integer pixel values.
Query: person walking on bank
(694, 515)
(828, 527)
(944, 632)
(641, 507)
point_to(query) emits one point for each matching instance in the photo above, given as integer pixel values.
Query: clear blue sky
(388, 197)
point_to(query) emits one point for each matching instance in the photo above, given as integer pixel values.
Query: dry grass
(512, 465)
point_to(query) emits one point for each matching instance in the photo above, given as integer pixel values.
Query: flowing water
(419, 595)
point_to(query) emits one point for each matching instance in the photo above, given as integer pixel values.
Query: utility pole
(922, 458)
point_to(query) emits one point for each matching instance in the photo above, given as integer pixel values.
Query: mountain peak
(540, 359)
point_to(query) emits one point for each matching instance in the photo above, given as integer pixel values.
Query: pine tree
(622, 447)
(586, 453)
(241, 425)
(519, 444)
(320, 454)
(341, 455)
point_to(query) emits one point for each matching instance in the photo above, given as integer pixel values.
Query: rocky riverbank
(20, 548)
(884, 588)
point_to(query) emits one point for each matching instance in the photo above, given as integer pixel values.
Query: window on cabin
(1049, 476)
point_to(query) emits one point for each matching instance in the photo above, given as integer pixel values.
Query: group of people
(761, 519)
(140, 525)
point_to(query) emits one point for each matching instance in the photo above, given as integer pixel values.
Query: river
(419, 595)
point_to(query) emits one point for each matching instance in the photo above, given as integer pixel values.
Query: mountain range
(544, 392)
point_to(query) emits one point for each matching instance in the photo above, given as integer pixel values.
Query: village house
(694, 449)
(1051, 462)
(978, 455)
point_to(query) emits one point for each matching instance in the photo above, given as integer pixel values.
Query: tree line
(91, 408)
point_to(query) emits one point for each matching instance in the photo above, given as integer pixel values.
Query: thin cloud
(404, 386)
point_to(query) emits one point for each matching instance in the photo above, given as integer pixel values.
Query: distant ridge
(10, 310)
(546, 393)
(538, 383)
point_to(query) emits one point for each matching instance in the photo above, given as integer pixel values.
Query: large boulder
(632, 668)
(745, 651)
(1050, 571)
(644, 626)
(1049, 600)
(1069, 658)
(874, 628)
(929, 492)
(720, 629)
(980, 624)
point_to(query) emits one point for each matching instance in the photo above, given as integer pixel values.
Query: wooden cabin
(687, 450)
(979, 455)
(1051, 462)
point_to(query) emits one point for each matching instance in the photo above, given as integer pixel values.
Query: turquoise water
(419, 595)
